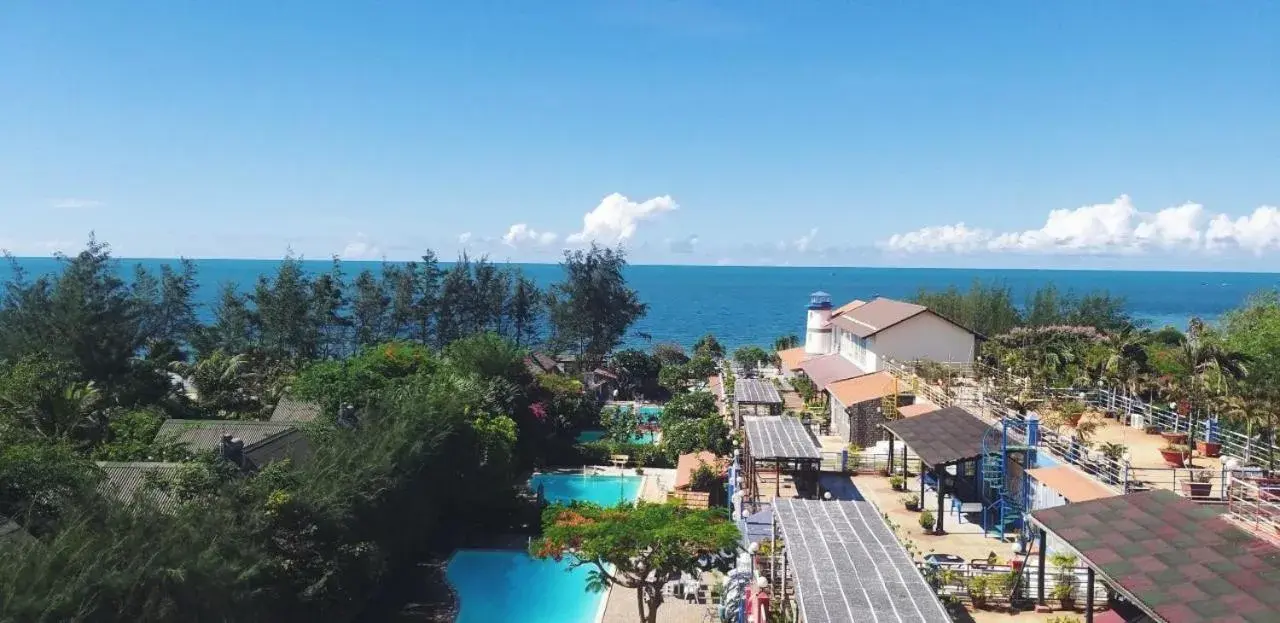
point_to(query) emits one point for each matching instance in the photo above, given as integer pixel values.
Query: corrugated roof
(756, 391)
(792, 357)
(206, 434)
(780, 437)
(920, 407)
(290, 410)
(127, 480)
(828, 369)
(289, 444)
(1178, 560)
(1071, 484)
(943, 437)
(876, 316)
(858, 389)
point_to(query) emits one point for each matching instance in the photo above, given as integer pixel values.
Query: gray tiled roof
(290, 410)
(942, 437)
(756, 391)
(124, 481)
(206, 434)
(780, 437)
(290, 444)
(848, 566)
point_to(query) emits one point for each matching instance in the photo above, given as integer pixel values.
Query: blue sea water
(742, 305)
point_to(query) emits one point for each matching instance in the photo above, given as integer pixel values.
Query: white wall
(839, 419)
(925, 336)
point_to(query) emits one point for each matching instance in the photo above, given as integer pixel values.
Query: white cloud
(521, 233)
(802, 243)
(464, 237)
(683, 245)
(361, 249)
(1117, 227)
(616, 218)
(72, 203)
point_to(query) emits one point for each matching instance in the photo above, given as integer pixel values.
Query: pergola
(848, 566)
(1176, 560)
(782, 441)
(755, 397)
(941, 438)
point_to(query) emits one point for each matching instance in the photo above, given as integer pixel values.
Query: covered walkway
(943, 438)
(782, 443)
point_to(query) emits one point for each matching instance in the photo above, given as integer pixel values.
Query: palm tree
(70, 412)
(1126, 358)
(218, 380)
(783, 343)
(1257, 413)
(1208, 368)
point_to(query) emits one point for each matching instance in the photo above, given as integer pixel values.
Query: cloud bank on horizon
(1117, 227)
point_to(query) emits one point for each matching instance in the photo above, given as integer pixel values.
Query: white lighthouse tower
(817, 335)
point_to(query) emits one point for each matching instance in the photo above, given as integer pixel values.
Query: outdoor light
(754, 547)
(762, 582)
(827, 496)
(1173, 406)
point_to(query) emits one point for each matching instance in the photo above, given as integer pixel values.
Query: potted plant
(1153, 429)
(911, 502)
(1209, 448)
(1064, 589)
(1174, 438)
(927, 520)
(1175, 455)
(1072, 411)
(978, 590)
(898, 483)
(1199, 484)
(1066, 595)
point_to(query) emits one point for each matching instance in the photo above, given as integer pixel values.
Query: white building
(855, 339)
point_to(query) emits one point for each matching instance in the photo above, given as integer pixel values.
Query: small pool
(643, 437)
(1044, 460)
(510, 585)
(600, 489)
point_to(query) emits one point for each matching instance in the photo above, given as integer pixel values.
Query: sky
(1085, 134)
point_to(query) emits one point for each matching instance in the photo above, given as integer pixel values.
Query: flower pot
(1209, 448)
(1197, 489)
(1175, 458)
(912, 507)
(1016, 563)
(1068, 604)
(1152, 430)
(1177, 439)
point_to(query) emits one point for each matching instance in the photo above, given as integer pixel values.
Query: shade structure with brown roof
(1071, 484)
(687, 464)
(828, 369)
(860, 389)
(791, 358)
(944, 437)
(920, 407)
(1177, 560)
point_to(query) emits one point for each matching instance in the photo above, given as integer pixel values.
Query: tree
(669, 354)
(1210, 367)
(639, 548)
(688, 406)
(637, 372)
(592, 309)
(708, 346)
(369, 308)
(525, 310)
(785, 342)
(750, 358)
(695, 435)
(220, 380)
(621, 424)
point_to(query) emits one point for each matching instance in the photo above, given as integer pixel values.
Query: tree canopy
(593, 309)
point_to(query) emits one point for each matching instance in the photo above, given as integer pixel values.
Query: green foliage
(131, 436)
(646, 454)
(638, 547)
(40, 481)
(927, 520)
(669, 354)
(592, 309)
(990, 309)
(621, 424)
(695, 435)
(750, 357)
(689, 406)
(637, 372)
(705, 478)
(708, 346)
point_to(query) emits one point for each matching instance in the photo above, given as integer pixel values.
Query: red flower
(539, 411)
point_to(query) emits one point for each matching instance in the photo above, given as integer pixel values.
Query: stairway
(1002, 511)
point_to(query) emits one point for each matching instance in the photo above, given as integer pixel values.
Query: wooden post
(904, 461)
(1044, 545)
(1088, 597)
(938, 471)
(889, 468)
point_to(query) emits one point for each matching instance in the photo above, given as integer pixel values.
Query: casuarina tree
(592, 309)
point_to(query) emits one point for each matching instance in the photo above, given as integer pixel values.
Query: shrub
(897, 482)
(927, 520)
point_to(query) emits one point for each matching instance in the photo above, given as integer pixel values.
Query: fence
(855, 462)
(1254, 505)
(1001, 584)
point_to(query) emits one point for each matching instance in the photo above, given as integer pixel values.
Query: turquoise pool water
(495, 586)
(648, 437)
(603, 490)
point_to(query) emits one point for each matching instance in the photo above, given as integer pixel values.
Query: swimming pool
(510, 585)
(644, 437)
(600, 489)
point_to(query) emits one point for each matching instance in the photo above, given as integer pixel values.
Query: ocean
(754, 305)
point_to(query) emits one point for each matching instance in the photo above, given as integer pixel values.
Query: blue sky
(819, 133)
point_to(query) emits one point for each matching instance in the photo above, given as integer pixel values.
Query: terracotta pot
(1152, 430)
(1068, 604)
(1209, 448)
(1177, 439)
(1197, 489)
(1174, 458)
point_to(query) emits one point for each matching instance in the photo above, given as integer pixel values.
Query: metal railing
(1000, 582)
(864, 462)
(1254, 505)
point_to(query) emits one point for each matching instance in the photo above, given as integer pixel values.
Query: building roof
(125, 481)
(858, 389)
(848, 566)
(847, 307)
(290, 410)
(792, 357)
(756, 391)
(687, 464)
(780, 437)
(827, 369)
(1180, 561)
(289, 444)
(206, 434)
(876, 316)
(12, 533)
(919, 407)
(1071, 484)
(945, 436)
